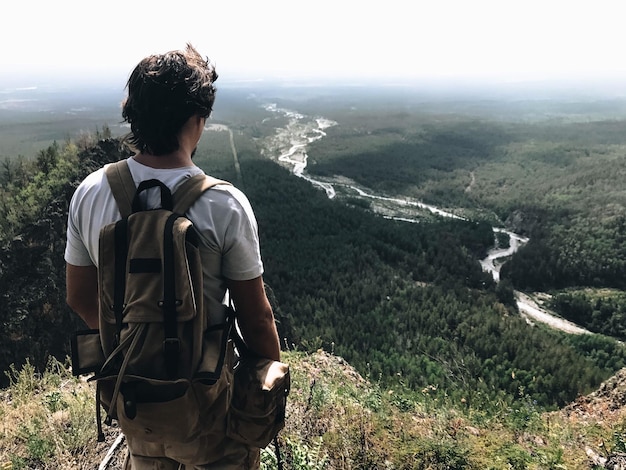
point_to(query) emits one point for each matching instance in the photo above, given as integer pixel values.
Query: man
(170, 96)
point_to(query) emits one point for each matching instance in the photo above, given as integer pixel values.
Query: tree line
(559, 183)
(409, 302)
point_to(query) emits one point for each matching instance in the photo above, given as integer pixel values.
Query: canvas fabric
(229, 455)
(258, 407)
(167, 376)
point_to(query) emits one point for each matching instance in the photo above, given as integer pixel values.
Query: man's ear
(200, 120)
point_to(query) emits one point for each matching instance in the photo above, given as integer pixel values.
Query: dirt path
(235, 157)
(222, 128)
(472, 182)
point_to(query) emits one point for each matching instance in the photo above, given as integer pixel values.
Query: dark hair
(164, 91)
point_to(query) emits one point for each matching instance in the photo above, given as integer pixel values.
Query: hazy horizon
(88, 86)
(450, 42)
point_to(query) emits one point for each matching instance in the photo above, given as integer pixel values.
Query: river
(289, 147)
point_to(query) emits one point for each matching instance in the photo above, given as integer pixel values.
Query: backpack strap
(192, 189)
(124, 189)
(122, 186)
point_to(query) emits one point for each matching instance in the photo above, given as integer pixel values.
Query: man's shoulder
(227, 194)
(92, 181)
(93, 193)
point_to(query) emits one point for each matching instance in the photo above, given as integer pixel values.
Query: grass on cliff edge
(336, 419)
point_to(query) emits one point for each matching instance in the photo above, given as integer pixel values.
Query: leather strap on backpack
(122, 186)
(190, 190)
(124, 189)
(121, 256)
(171, 343)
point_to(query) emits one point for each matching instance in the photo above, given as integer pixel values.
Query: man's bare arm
(82, 292)
(255, 317)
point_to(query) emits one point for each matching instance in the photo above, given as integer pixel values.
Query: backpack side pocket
(87, 354)
(258, 407)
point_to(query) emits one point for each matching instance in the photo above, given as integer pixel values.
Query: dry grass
(48, 421)
(336, 420)
(363, 426)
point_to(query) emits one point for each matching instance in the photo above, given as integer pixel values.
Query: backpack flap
(148, 278)
(150, 261)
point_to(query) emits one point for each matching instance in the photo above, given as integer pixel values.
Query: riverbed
(289, 147)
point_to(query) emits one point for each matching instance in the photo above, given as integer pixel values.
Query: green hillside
(557, 178)
(552, 170)
(407, 303)
(445, 355)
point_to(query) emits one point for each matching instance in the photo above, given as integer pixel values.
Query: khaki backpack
(161, 371)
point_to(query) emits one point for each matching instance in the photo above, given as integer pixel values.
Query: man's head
(164, 91)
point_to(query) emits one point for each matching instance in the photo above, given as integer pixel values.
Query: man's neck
(175, 159)
(188, 138)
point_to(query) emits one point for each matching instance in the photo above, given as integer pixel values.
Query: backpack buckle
(171, 346)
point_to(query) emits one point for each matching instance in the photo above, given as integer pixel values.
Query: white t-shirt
(223, 217)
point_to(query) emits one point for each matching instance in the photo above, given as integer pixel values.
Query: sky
(385, 40)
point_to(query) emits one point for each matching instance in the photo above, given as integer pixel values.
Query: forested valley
(406, 303)
(409, 303)
(552, 171)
